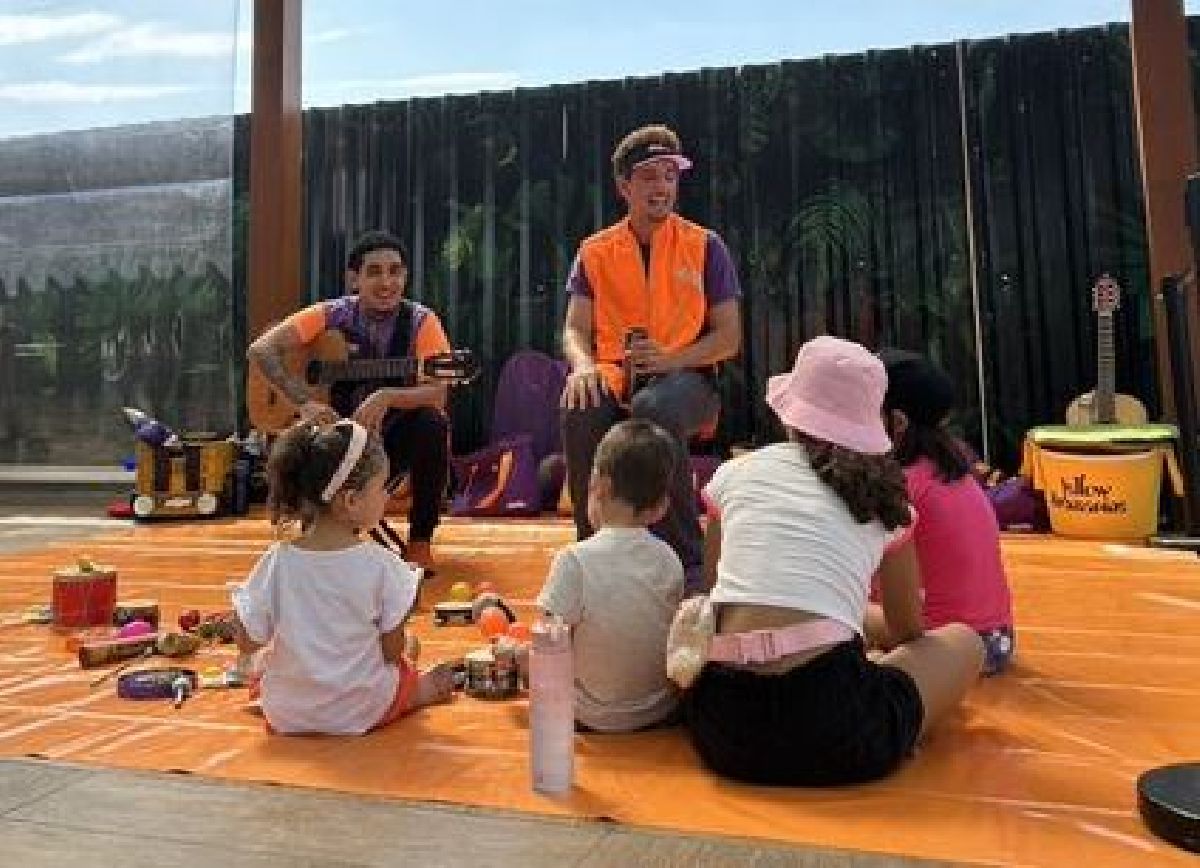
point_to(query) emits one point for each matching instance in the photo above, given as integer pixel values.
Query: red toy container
(84, 598)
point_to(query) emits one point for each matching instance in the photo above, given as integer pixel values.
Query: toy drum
(84, 597)
(127, 611)
(491, 674)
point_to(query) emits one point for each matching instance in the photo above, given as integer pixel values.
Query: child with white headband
(332, 607)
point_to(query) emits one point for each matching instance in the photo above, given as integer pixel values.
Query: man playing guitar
(377, 322)
(659, 292)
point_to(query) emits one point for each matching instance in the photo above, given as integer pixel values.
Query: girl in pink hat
(788, 695)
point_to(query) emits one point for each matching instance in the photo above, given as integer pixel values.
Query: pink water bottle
(551, 706)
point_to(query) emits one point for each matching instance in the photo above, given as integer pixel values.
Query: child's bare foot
(435, 684)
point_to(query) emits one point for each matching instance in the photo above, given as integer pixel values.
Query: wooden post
(1166, 128)
(276, 186)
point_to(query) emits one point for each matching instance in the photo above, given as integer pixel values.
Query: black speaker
(1169, 802)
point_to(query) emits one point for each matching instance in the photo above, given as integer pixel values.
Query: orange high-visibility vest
(670, 304)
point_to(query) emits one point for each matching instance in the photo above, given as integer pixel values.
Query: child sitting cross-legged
(787, 694)
(956, 535)
(331, 607)
(619, 588)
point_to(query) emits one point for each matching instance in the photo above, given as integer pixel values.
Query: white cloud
(336, 92)
(336, 34)
(23, 29)
(151, 39)
(69, 92)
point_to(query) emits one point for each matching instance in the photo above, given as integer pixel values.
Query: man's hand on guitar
(584, 388)
(317, 413)
(371, 411)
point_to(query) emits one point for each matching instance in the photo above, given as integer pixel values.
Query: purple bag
(527, 395)
(498, 480)
(1018, 505)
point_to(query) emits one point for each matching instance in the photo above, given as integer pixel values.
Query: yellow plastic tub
(1101, 495)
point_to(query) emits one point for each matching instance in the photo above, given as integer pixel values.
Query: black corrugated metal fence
(956, 199)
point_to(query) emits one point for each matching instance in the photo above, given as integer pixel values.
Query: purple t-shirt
(720, 277)
(373, 337)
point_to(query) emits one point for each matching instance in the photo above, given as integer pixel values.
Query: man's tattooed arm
(270, 363)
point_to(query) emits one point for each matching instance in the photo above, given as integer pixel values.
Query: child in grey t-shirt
(620, 587)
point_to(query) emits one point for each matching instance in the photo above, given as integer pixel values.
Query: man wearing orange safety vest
(653, 299)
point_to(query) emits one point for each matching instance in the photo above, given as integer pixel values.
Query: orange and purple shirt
(667, 287)
(371, 337)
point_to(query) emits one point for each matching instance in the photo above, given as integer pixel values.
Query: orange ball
(493, 622)
(519, 631)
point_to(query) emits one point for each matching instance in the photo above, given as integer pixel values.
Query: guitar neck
(1106, 363)
(360, 370)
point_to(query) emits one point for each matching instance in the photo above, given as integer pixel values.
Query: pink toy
(134, 629)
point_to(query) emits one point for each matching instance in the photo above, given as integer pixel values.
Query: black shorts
(837, 719)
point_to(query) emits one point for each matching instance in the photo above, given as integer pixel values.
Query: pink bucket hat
(834, 393)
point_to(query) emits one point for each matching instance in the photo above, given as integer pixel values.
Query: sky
(74, 64)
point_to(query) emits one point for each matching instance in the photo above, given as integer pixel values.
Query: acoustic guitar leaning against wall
(1104, 405)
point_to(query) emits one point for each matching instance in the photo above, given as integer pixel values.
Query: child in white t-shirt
(331, 607)
(620, 587)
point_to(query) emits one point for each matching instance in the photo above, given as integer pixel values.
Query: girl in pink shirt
(956, 535)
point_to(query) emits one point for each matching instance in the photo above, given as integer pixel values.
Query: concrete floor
(24, 532)
(61, 816)
(58, 816)
(35, 515)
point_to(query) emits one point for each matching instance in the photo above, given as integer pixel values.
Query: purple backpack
(527, 395)
(498, 480)
(502, 478)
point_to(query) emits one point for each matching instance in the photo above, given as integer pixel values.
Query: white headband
(358, 442)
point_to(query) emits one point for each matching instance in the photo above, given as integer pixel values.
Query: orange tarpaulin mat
(1038, 769)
